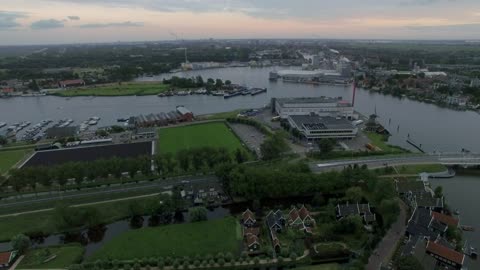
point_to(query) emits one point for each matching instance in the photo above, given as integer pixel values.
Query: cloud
(114, 24)
(8, 19)
(73, 18)
(47, 24)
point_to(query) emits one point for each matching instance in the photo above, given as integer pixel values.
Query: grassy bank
(56, 257)
(124, 89)
(194, 136)
(380, 141)
(10, 158)
(45, 222)
(189, 239)
(419, 168)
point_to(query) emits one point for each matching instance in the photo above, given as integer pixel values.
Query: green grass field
(328, 266)
(125, 89)
(379, 141)
(194, 136)
(10, 158)
(45, 221)
(64, 256)
(189, 239)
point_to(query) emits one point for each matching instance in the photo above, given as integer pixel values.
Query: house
(362, 210)
(248, 218)
(252, 242)
(185, 114)
(71, 83)
(300, 218)
(275, 241)
(275, 221)
(251, 231)
(7, 259)
(446, 257)
(445, 219)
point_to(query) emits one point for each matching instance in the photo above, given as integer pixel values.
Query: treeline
(285, 180)
(195, 82)
(250, 122)
(204, 159)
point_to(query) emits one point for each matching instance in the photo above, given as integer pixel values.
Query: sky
(91, 21)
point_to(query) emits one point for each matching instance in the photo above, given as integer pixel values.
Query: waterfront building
(314, 127)
(321, 106)
(71, 83)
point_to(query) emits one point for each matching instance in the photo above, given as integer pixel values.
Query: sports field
(10, 158)
(215, 134)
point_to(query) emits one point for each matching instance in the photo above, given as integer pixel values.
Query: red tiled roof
(5, 257)
(252, 239)
(448, 220)
(303, 212)
(445, 252)
(7, 90)
(253, 231)
(293, 215)
(248, 215)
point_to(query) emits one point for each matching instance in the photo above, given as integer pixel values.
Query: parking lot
(249, 135)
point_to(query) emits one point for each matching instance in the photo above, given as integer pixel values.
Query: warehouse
(322, 106)
(315, 127)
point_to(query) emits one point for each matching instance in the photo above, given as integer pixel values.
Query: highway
(165, 184)
(322, 166)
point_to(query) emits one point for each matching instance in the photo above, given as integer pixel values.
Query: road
(159, 183)
(373, 162)
(385, 249)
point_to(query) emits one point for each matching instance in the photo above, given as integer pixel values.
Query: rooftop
(445, 252)
(283, 101)
(314, 122)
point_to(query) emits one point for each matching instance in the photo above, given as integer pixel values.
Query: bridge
(447, 159)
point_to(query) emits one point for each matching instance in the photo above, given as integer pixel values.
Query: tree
(21, 243)
(273, 147)
(228, 82)
(389, 210)
(198, 214)
(408, 263)
(438, 192)
(326, 145)
(354, 194)
(3, 140)
(240, 156)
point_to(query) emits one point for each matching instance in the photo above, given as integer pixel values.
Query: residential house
(275, 221)
(248, 218)
(300, 218)
(71, 83)
(252, 242)
(7, 259)
(362, 210)
(446, 257)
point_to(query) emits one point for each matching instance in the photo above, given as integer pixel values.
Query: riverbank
(111, 90)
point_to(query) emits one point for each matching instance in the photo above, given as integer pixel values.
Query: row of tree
(193, 160)
(196, 82)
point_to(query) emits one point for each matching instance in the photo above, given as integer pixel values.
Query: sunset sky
(72, 21)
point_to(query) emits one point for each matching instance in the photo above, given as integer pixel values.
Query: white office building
(321, 106)
(314, 127)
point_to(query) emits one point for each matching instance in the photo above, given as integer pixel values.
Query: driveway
(385, 249)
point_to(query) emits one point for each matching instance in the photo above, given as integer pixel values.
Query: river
(461, 192)
(436, 128)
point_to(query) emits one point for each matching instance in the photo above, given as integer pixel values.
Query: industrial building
(321, 106)
(181, 114)
(314, 127)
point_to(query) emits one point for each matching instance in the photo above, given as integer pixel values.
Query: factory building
(314, 127)
(321, 106)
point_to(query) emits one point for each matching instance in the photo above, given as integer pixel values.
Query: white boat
(2, 124)
(95, 118)
(92, 122)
